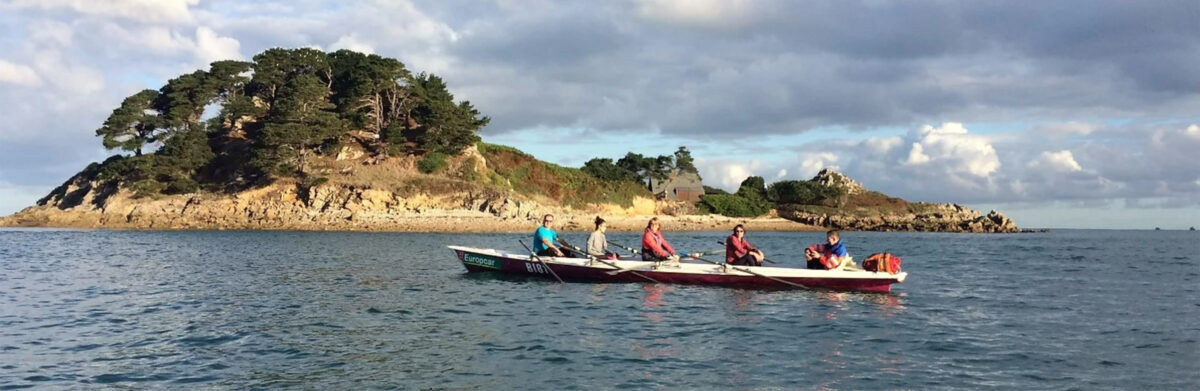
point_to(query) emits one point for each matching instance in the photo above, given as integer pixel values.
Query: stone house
(679, 186)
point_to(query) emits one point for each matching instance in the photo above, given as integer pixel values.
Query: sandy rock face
(284, 205)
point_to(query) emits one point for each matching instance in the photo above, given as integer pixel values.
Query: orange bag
(882, 262)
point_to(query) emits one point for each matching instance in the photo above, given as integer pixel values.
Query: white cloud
(67, 75)
(954, 150)
(352, 42)
(18, 74)
(50, 33)
(813, 163)
(1068, 128)
(882, 145)
(204, 46)
(1060, 161)
(916, 155)
(211, 47)
(727, 174)
(781, 174)
(1192, 131)
(150, 11)
(698, 13)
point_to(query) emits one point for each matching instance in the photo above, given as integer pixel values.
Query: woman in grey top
(597, 244)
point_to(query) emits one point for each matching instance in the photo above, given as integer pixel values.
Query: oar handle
(623, 247)
(748, 271)
(613, 265)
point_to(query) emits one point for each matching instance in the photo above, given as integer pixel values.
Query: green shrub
(180, 184)
(395, 150)
(713, 190)
(803, 192)
(733, 205)
(605, 169)
(467, 172)
(146, 188)
(433, 162)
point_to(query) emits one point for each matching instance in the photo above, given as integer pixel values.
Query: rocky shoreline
(285, 206)
(931, 218)
(83, 202)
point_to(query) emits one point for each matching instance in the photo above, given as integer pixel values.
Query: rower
(832, 255)
(597, 244)
(654, 247)
(545, 239)
(739, 252)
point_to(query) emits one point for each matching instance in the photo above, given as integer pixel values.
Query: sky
(1062, 114)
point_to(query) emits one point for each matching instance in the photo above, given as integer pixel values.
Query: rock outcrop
(85, 202)
(836, 179)
(937, 218)
(871, 211)
(284, 205)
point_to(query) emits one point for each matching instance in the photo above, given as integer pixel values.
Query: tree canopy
(639, 168)
(253, 121)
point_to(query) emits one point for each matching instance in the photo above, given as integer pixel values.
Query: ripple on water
(244, 310)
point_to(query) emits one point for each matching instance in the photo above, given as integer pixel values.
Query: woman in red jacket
(654, 247)
(739, 252)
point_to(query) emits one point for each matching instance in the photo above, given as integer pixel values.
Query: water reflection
(654, 294)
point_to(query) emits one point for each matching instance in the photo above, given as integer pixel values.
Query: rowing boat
(625, 270)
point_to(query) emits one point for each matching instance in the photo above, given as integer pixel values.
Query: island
(303, 139)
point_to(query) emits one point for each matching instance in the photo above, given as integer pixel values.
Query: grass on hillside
(508, 169)
(525, 174)
(868, 204)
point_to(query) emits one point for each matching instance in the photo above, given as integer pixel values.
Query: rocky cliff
(391, 196)
(930, 218)
(289, 206)
(864, 210)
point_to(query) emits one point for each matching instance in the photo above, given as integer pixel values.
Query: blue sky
(1069, 114)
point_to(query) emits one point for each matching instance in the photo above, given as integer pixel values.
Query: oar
(532, 254)
(614, 266)
(745, 270)
(764, 258)
(635, 251)
(623, 247)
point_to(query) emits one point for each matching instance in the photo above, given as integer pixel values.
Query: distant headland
(308, 140)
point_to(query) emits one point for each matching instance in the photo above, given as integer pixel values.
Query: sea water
(1070, 309)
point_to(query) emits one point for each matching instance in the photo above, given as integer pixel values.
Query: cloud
(812, 163)
(953, 151)
(1059, 161)
(209, 46)
(714, 14)
(18, 74)
(352, 42)
(15, 197)
(150, 11)
(949, 163)
(725, 174)
(1095, 105)
(67, 75)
